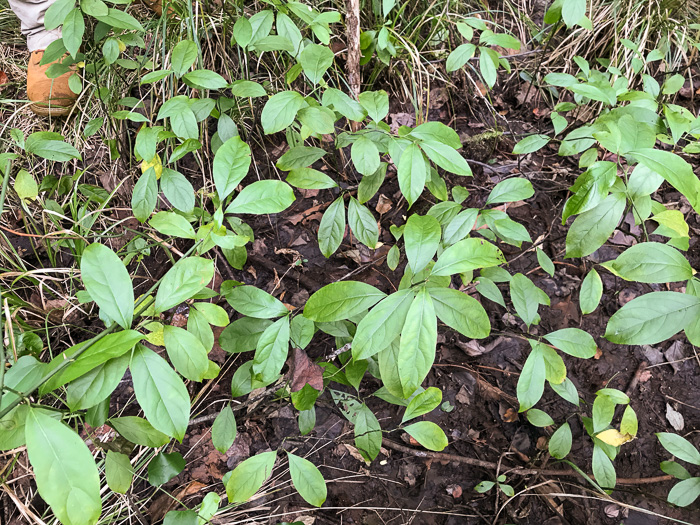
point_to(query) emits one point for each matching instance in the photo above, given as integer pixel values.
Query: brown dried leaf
(304, 371)
(383, 205)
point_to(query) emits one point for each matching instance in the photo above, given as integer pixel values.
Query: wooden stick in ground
(519, 471)
(352, 22)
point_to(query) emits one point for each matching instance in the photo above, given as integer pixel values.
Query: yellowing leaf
(614, 438)
(155, 337)
(122, 46)
(154, 163)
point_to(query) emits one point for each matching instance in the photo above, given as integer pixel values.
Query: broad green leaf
(213, 313)
(460, 56)
(531, 381)
(118, 472)
(651, 262)
(488, 64)
(183, 281)
(422, 403)
(376, 103)
(679, 447)
(249, 476)
(685, 492)
(307, 480)
(271, 352)
(145, 195)
(263, 197)
(428, 434)
(603, 412)
(365, 155)
(363, 224)
(629, 423)
(231, 164)
(545, 262)
(139, 431)
(677, 172)
(488, 289)
(93, 387)
(527, 298)
(108, 283)
(160, 392)
(186, 353)
(341, 300)
(73, 31)
(573, 341)
(310, 179)
(332, 228)
(591, 229)
(57, 12)
(343, 104)
(531, 144)
(315, 60)
(281, 110)
(25, 186)
(460, 227)
(242, 31)
(247, 89)
(437, 132)
(254, 302)
(199, 328)
(566, 390)
(164, 467)
(301, 331)
(652, 318)
(223, 431)
(64, 469)
(368, 433)
(242, 335)
(382, 325)
(183, 57)
(421, 238)
(289, 30)
(511, 190)
(674, 469)
(299, 157)
(603, 469)
(418, 341)
(466, 255)
(170, 223)
(318, 120)
(555, 369)
(461, 312)
(51, 149)
(591, 292)
(178, 190)
(560, 442)
(446, 157)
(204, 79)
(412, 172)
(539, 418)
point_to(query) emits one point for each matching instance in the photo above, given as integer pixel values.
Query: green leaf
(281, 110)
(231, 163)
(651, 262)
(460, 227)
(363, 224)
(603, 412)
(685, 492)
(566, 390)
(382, 325)
(310, 179)
(186, 353)
(679, 447)
(254, 302)
(242, 31)
(120, 19)
(160, 392)
(459, 57)
(446, 157)
(271, 352)
(560, 442)
(108, 283)
(421, 237)
(365, 155)
(139, 431)
(299, 157)
(555, 369)
(674, 469)
(412, 173)
(572, 11)
(341, 300)
(531, 381)
(213, 313)
(183, 281)
(418, 341)
(307, 480)
(73, 31)
(242, 335)
(319, 120)
(428, 434)
(332, 228)
(247, 89)
(57, 12)
(170, 223)
(368, 433)
(25, 186)
(376, 103)
(511, 190)
(183, 57)
(652, 318)
(539, 418)
(461, 312)
(488, 64)
(223, 432)
(263, 197)
(573, 341)
(249, 476)
(545, 262)
(178, 190)
(484, 486)
(591, 229)
(437, 132)
(164, 467)
(343, 104)
(64, 469)
(315, 61)
(629, 423)
(591, 292)
(466, 255)
(422, 403)
(118, 472)
(488, 289)
(603, 469)
(93, 387)
(530, 144)
(527, 298)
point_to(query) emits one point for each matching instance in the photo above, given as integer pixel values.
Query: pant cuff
(42, 39)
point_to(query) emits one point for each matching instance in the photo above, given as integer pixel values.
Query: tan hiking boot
(51, 97)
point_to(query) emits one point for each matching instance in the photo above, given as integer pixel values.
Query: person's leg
(51, 96)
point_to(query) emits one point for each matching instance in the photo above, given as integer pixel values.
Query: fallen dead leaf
(510, 415)
(542, 443)
(3, 79)
(383, 205)
(598, 353)
(454, 490)
(675, 418)
(166, 502)
(305, 372)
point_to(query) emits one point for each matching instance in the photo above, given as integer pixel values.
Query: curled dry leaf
(675, 418)
(304, 371)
